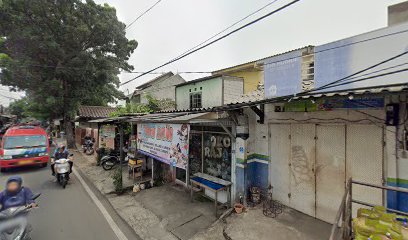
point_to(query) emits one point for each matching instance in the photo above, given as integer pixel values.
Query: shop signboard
(335, 103)
(168, 143)
(282, 74)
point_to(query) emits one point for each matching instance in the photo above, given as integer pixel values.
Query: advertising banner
(282, 74)
(168, 143)
(107, 136)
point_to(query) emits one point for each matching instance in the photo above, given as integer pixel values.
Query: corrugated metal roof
(257, 95)
(174, 117)
(95, 111)
(257, 61)
(188, 114)
(357, 91)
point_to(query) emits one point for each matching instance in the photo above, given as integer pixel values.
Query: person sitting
(61, 153)
(15, 195)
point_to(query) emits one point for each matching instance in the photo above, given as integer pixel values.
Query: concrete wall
(397, 160)
(254, 170)
(398, 13)
(233, 88)
(252, 78)
(211, 91)
(164, 89)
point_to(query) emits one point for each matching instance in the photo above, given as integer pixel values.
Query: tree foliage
(63, 54)
(153, 105)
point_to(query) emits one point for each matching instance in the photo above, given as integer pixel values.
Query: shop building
(183, 145)
(207, 92)
(307, 145)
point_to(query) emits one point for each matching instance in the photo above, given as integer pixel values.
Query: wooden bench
(211, 183)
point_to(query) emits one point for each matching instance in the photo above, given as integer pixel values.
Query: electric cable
(141, 15)
(229, 27)
(215, 40)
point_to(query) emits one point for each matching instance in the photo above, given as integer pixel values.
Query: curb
(94, 188)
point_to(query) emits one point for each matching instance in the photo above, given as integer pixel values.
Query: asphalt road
(66, 214)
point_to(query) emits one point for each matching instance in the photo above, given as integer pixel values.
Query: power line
(215, 40)
(229, 27)
(332, 84)
(141, 15)
(265, 64)
(368, 78)
(340, 46)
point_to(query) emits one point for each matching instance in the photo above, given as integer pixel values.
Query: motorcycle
(88, 147)
(111, 160)
(62, 171)
(14, 224)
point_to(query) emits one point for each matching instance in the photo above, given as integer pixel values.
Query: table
(213, 184)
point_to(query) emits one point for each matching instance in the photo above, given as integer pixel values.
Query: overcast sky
(174, 26)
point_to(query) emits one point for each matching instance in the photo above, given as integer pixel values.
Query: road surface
(67, 214)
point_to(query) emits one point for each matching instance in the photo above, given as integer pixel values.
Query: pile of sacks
(377, 224)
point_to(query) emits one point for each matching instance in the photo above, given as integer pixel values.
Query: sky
(174, 26)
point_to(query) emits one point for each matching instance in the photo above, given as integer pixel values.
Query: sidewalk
(166, 212)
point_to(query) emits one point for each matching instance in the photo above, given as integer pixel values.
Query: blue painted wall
(397, 201)
(258, 175)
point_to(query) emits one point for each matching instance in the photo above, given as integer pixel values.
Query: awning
(109, 120)
(177, 117)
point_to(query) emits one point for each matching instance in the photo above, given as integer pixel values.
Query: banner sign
(331, 104)
(168, 143)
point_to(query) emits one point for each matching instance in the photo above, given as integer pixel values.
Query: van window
(11, 142)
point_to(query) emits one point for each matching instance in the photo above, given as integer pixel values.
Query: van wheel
(44, 165)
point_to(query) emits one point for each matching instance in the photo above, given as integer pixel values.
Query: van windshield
(25, 141)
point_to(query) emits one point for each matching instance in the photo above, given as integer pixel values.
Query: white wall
(210, 89)
(164, 89)
(233, 88)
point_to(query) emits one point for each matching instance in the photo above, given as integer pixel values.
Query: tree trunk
(69, 130)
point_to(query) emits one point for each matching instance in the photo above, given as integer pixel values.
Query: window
(25, 141)
(195, 100)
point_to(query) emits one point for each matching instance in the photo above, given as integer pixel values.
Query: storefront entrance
(311, 162)
(210, 153)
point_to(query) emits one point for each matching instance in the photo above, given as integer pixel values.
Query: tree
(63, 54)
(18, 108)
(153, 105)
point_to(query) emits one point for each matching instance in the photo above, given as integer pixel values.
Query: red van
(24, 145)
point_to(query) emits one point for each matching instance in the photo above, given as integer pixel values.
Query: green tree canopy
(63, 54)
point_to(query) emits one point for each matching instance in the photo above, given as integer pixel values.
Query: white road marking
(104, 212)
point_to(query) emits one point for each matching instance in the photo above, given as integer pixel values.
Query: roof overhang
(177, 117)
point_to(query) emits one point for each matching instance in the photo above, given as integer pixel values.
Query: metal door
(365, 162)
(330, 170)
(279, 168)
(302, 182)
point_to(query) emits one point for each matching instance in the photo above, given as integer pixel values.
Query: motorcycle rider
(16, 194)
(61, 152)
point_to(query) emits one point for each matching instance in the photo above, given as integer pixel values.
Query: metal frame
(342, 227)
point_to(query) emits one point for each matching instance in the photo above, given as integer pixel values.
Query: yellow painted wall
(252, 76)
(251, 79)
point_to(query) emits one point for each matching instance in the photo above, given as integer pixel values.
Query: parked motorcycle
(14, 224)
(62, 171)
(112, 159)
(88, 147)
